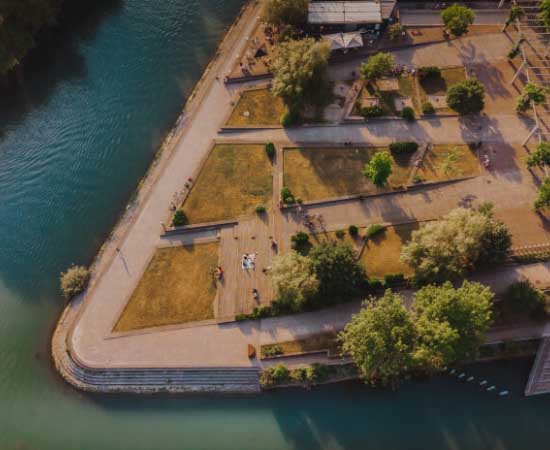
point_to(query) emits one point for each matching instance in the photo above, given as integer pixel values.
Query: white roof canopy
(340, 41)
(350, 12)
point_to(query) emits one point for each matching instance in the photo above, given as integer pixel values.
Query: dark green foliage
(353, 230)
(273, 350)
(395, 31)
(20, 22)
(372, 111)
(523, 297)
(290, 118)
(340, 275)
(543, 196)
(317, 373)
(540, 157)
(374, 229)
(544, 14)
(457, 19)
(375, 284)
(270, 150)
(378, 169)
(300, 241)
(405, 147)
(530, 93)
(179, 218)
(285, 12)
(272, 376)
(340, 234)
(428, 72)
(408, 113)
(287, 196)
(394, 279)
(260, 209)
(428, 108)
(466, 97)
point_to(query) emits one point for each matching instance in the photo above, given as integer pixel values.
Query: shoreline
(61, 350)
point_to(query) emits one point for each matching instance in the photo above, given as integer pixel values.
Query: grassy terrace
(257, 107)
(380, 253)
(440, 85)
(178, 286)
(446, 162)
(234, 180)
(406, 89)
(322, 173)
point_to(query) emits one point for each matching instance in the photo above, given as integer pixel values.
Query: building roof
(357, 12)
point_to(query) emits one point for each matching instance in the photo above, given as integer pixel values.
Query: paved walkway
(427, 17)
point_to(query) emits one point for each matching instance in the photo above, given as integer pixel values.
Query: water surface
(75, 138)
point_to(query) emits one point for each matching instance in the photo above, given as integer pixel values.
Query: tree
(339, 274)
(523, 297)
(294, 279)
(544, 14)
(459, 242)
(540, 157)
(377, 66)
(74, 281)
(466, 97)
(395, 31)
(543, 196)
(516, 12)
(285, 12)
(380, 339)
(530, 93)
(180, 218)
(378, 169)
(299, 71)
(450, 323)
(457, 19)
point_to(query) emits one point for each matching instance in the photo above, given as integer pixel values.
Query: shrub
(179, 218)
(287, 196)
(428, 108)
(270, 150)
(457, 19)
(372, 111)
(300, 240)
(466, 97)
(273, 350)
(403, 147)
(417, 179)
(523, 297)
(375, 284)
(74, 281)
(378, 169)
(395, 30)
(317, 373)
(353, 230)
(299, 375)
(428, 72)
(340, 234)
(289, 119)
(377, 66)
(374, 229)
(543, 196)
(531, 93)
(394, 279)
(275, 375)
(260, 209)
(408, 113)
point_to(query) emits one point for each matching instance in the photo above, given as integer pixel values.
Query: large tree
(380, 339)
(299, 71)
(539, 157)
(543, 196)
(459, 242)
(466, 97)
(457, 19)
(377, 66)
(340, 275)
(450, 323)
(378, 169)
(294, 279)
(285, 12)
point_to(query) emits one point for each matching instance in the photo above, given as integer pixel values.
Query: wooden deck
(251, 235)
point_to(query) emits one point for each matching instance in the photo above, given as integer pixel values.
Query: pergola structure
(535, 52)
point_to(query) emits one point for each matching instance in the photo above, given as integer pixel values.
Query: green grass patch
(233, 182)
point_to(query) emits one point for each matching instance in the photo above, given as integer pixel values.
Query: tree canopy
(377, 66)
(466, 97)
(20, 21)
(450, 323)
(285, 12)
(294, 279)
(299, 71)
(457, 19)
(378, 169)
(339, 274)
(458, 243)
(543, 196)
(380, 339)
(540, 156)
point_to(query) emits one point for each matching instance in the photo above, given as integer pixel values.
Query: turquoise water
(75, 137)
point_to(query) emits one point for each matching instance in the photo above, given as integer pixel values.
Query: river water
(93, 104)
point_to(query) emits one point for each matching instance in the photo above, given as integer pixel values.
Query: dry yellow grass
(382, 251)
(178, 286)
(234, 180)
(263, 108)
(322, 173)
(440, 85)
(447, 162)
(322, 341)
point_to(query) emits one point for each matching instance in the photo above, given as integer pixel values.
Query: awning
(341, 41)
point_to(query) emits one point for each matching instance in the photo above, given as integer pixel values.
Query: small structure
(350, 15)
(388, 84)
(344, 41)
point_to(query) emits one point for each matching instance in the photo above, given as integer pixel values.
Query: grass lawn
(235, 179)
(440, 85)
(262, 106)
(320, 173)
(382, 251)
(178, 286)
(322, 341)
(406, 89)
(446, 162)
(330, 236)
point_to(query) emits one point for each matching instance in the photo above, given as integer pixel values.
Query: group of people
(248, 261)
